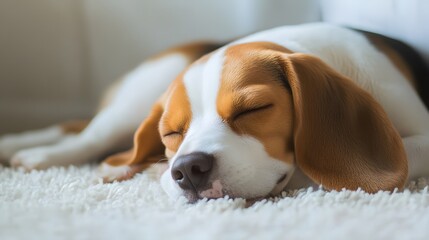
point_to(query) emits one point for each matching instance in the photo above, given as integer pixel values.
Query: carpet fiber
(71, 203)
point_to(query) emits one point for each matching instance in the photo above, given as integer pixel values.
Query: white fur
(242, 166)
(113, 127)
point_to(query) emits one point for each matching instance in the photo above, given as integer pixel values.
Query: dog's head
(239, 121)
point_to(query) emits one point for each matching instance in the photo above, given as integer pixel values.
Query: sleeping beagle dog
(291, 106)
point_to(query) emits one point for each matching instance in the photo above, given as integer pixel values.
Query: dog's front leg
(111, 130)
(12, 143)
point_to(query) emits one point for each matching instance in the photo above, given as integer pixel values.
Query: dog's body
(253, 110)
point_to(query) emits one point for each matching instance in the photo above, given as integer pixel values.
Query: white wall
(56, 57)
(41, 70)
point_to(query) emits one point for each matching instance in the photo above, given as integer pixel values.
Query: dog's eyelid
(252, 110)
(172, 133)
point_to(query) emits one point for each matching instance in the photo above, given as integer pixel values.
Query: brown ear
(147, 150)
(148, 147)
(343, 138)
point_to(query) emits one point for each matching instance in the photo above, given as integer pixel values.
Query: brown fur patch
(74, 126)
(343, 137)
(177, 117)
(252, 78)
(192, 51)
(147, 142)
(394, 57)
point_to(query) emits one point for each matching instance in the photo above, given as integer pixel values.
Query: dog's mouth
(282, 178)
(281, 183)
(194, 196)
(213, 191)
(216, 190)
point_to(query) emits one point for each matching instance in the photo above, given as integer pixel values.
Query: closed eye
(252, 110)
(172, 133)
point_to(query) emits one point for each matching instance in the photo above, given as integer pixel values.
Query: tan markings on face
(177, 114)
(254, 100)
(176, 118)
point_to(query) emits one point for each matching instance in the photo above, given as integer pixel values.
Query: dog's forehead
(202, 81)
(216, 77)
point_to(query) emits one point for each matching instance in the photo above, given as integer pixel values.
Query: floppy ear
(343, 138)
(147, 150)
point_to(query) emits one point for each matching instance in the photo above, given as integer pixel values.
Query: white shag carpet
(70, 203)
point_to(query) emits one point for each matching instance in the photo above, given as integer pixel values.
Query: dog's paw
(8, 147)
(113, 173)
(35, 158)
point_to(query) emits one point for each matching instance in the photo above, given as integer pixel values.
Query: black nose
(192, 171)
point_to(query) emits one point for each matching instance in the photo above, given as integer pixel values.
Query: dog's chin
(216, 189)
(194, 197)
(282, 182)
(212, 191)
